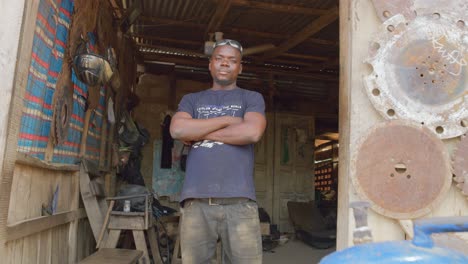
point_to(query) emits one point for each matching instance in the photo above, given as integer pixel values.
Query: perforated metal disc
(420, 71)
(460, 164)
(403, 169)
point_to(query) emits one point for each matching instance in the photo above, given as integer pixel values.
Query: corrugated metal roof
(178, 28)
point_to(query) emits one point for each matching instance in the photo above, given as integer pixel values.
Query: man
(218, 195)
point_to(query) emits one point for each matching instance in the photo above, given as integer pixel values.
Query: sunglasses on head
(233, 43)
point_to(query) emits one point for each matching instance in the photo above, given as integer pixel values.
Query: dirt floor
(295, 252)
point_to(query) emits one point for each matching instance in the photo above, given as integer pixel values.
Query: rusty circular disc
(460, 164)
(402, 168)
(420, 71)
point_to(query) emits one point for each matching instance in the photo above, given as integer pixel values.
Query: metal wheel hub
(420, 72)
(402, 168)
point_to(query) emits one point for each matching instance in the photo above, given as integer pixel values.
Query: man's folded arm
(247, 132)
(185, 128)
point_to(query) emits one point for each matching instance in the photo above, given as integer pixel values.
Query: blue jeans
(236, 225)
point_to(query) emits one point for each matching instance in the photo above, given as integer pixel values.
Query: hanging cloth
(167, 144)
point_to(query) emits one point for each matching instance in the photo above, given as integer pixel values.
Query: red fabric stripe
(78, 89)
(33, 98)
(33, 137)
(53, 74)
(92, 149)
(38, 100)
(45, 23)
(65, 12)
(47, 106)
(60, 43)
(40, 61)
(74, 116)
(71, 144)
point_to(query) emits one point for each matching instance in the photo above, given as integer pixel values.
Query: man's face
(225, 65)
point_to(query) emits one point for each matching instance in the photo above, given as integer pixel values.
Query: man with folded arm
(218, 196)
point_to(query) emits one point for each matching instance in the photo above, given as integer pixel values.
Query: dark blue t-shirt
(215, 169)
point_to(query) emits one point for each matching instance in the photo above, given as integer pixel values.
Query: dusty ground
(295, 252)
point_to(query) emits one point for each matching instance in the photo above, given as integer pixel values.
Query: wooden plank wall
(11, 19)
(26, 184)
(155, 101)
(67, 242)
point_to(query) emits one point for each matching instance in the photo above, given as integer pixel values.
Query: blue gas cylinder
(420, 250)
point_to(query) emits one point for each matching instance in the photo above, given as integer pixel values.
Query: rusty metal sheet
(419, 71)
(460, 164)
(386, 9)
(402, 168)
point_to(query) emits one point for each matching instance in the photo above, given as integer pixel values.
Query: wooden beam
(246, 67)
(305, 33)
(291, 9)
(328, 136)
(244, 31)
(310, 66)
(275, 60)
(239, 31)
(294, 62)
(303, 56)
(117, 8)
(218, 17)
(305, 66)
(332, 63)
(28, 160)
(42, 223)
(170, 22)
(170, 40)
(174, 50)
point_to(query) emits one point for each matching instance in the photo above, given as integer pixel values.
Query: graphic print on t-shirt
(211, 111)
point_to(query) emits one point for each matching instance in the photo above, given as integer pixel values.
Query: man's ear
(209, 65)
(240, 69)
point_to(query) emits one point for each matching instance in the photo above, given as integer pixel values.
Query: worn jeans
(236, 225)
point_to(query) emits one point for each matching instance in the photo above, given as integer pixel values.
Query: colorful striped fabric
(49, 44)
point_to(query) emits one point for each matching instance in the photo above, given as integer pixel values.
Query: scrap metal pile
(418, 83)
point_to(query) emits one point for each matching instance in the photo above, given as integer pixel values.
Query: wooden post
(15, 58)
(106, 221)
(73, 229)
(102, 155)
(104, 142)
(342, 234)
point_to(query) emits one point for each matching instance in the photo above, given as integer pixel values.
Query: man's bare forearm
(189, 129)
